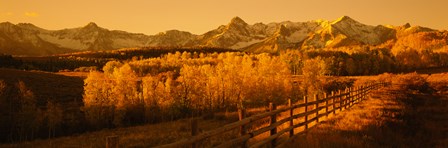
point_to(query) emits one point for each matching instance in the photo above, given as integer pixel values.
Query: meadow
(409, 113)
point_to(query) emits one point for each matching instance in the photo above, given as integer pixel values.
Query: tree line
(367, 60)
(74, 61)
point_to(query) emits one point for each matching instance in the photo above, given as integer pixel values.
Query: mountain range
(28, 39)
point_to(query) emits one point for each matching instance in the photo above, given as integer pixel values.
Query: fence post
(272, 107)
(362, 92)
(306, 111)
(371, 86)
(348, 98)
(352, 96)
(112, 142)
(291, 120)
(194, 130)
(368, 90)
(359, 94)
(340, 100)
(243, 131)
(334, 104)
(326, 104)
(356, 95)
(316, 98)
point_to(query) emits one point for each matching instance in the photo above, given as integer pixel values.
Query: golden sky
(198, 16)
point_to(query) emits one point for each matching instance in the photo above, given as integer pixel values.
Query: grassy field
(81, 75)
(392, 117)
(138, 136)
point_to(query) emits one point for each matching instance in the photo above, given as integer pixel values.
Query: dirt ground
(389, 118)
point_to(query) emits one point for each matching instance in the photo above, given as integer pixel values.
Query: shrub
(439, 82)
(386, 77)
(337, 84)
(412, 82)
(313, 71)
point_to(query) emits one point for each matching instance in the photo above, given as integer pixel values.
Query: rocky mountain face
(23, 39)
(27, 39)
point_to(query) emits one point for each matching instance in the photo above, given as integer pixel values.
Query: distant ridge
(28, 39)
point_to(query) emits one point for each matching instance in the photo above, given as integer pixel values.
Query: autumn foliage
(184, 85)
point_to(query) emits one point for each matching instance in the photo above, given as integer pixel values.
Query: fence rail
(333, 103)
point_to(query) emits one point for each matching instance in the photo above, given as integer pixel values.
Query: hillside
(28, 39)
(43, 87)
(46, 85)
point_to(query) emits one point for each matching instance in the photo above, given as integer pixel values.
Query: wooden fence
(317, 108)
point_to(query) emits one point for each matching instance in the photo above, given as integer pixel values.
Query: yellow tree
(220, 82)
(156, 94)
(233, 80)
(150, 96)
(113, 97)
(313, 71)
(207, 87)
(210, 87)
(191, 86)
(99, 99)
(129, 107)
(110, 67)
(294, 60)
(274, 75)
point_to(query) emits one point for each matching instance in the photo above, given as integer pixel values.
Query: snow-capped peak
(237, 22)
(238, 27)
(344, 19)
(174, 33)
(91, 25)
(29, 26)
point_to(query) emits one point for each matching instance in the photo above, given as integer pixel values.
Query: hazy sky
(198, 16)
